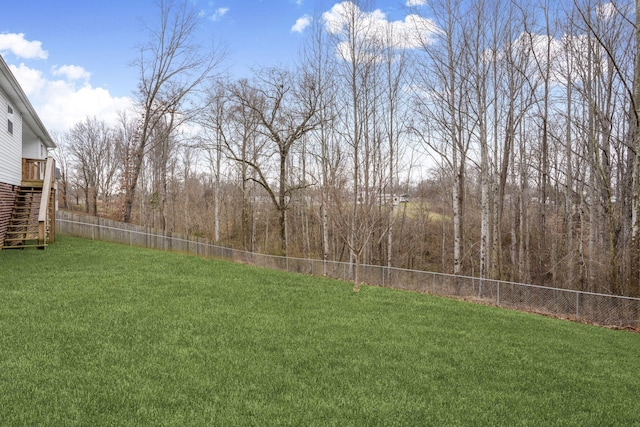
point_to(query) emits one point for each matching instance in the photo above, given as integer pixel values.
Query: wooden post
(52, 216)
(43, 213)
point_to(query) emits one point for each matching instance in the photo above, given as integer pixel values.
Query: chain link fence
(600, 309)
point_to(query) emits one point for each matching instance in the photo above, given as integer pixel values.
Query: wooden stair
(22, 231)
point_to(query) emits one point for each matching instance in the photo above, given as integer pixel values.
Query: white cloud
(62, 103)
(22, 48)
(301, 23)
(337, 17)
(31, 80)
(534, 52)
(411, 3)
(219, 13)
(67, 105)
(72, 72)
(62, 96)
(411, 33)
(414, 32)
(606, 11)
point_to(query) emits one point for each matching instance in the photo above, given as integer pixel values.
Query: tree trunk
(635, 215)
(282, 202)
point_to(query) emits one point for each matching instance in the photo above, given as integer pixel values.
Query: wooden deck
(32, 222)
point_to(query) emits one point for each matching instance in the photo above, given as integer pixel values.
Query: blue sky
(73, 57)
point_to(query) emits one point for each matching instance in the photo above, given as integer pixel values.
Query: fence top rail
(505, 282)
(433, 273)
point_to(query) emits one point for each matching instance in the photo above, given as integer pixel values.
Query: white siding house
(22, 136)
(10, 142)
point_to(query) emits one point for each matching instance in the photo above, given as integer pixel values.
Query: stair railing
(43, 215)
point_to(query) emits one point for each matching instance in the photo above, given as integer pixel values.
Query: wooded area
(495, 139)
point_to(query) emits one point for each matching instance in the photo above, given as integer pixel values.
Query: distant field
(417, 209)
(95, 334)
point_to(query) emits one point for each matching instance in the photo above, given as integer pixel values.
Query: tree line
(489, 138)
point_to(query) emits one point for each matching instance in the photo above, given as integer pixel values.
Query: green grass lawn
(93, 333)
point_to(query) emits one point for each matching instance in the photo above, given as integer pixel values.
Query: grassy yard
(93, 333)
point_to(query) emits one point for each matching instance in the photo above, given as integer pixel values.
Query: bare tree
(609, 74)
(215, 121)
(64, 160)
(356, 42)
(513, 89)
(319, 61)
(243, 146)
(394, 62)
(634, 279)
(163, 155)
(92, 144)
(479, 43)
(285, 106)
(172, 66)
(444, 111)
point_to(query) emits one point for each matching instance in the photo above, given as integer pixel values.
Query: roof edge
(32, 118)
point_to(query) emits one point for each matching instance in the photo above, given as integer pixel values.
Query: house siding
(10, 144)
(7, 197)
(34, 150)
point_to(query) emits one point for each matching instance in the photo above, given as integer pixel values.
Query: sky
(73, 58)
